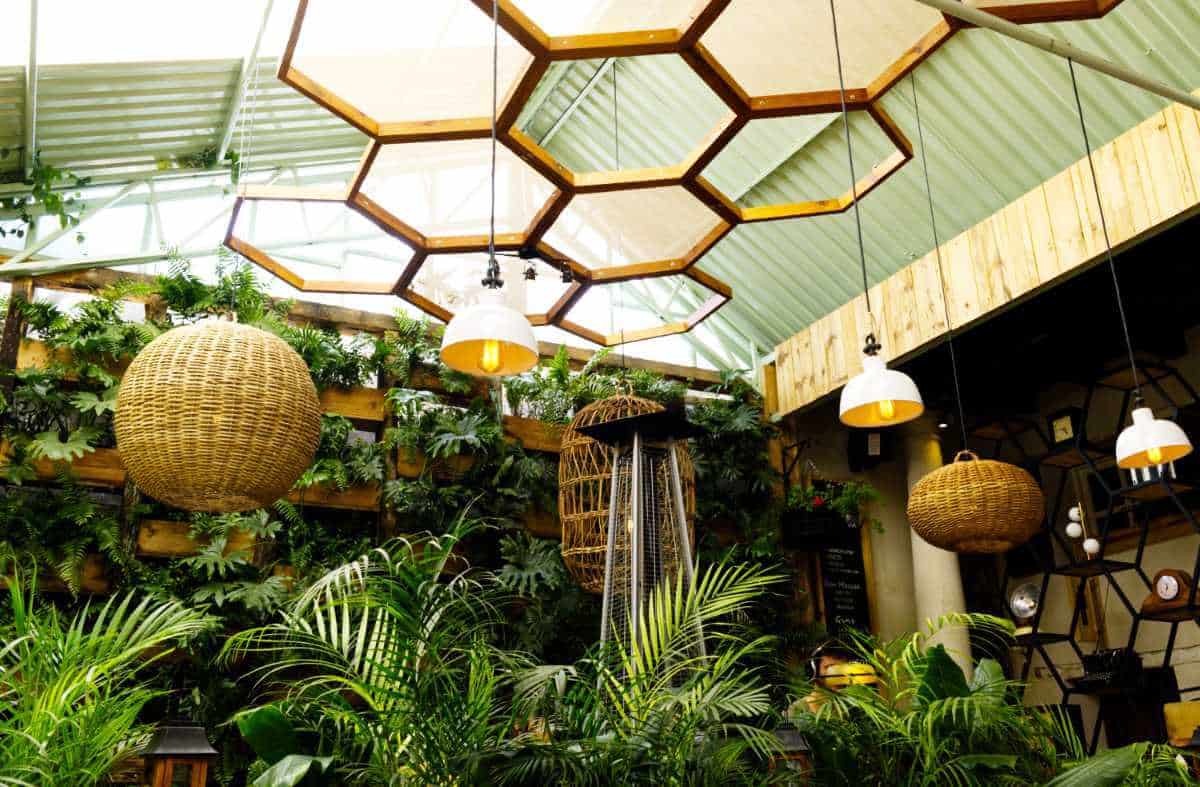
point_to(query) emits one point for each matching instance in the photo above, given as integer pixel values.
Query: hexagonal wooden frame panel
(685, 42)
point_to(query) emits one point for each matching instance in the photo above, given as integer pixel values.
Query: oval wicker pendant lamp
(217, 417)
(490, 338)
(971, 505)
(585, 487)
(877, 396)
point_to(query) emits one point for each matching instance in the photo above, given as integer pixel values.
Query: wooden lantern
(178, 756)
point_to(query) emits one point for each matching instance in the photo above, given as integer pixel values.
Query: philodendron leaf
(941, 678)
(268, 732)
(48, 445)
(295, 770)
(87, 402)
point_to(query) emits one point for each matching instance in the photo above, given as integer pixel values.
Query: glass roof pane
(623, 227)
(124, 31)
(756, 40)
(585, 17)
(629, 306)
(322, 240)
(407, 60)
(453, 280)
(441, 188)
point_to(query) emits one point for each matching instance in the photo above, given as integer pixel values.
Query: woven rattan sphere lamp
(975, 505)
(585, 473)
(217, 417)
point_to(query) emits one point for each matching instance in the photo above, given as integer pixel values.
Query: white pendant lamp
(877, 396)
(490, 338)
(1150, 441)
(1147, 442)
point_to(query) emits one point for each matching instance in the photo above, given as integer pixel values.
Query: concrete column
(893, 611)
(936, 578)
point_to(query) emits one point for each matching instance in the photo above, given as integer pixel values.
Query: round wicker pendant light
(584, 488)
(217, 417)
(976, 505)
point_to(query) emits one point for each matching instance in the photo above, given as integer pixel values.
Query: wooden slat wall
(1149, 179)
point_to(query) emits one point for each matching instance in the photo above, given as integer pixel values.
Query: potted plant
(822, 510)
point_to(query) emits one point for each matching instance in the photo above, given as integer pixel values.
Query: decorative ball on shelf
(218, 417)
(584, 487)
(1091, 546)
(1074, 529)
(975, 505)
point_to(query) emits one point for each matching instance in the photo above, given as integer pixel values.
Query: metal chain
(862, 251)
(1112, 264)
(937, 249)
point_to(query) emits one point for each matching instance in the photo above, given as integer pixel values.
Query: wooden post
(14, 332)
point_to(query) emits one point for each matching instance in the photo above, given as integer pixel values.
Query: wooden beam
(1150, 181)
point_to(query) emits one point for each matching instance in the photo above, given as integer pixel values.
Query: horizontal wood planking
(165, 538)
(1149, 179)
(93, 578)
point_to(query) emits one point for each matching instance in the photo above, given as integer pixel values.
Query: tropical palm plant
(71, 690)
(661, 709)
(926, 723)
(384, 665)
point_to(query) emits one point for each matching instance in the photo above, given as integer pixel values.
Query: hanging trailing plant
(44, 197)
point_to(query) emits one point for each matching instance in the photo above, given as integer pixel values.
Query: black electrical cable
(862, 251)
(492, 280)
(1112, 264)
(937, 248)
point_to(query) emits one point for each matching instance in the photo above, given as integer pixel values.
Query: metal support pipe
(31, 69)
(685, 541)
(613, 483)
(635, 543)
(1061, 48)
(245, 75)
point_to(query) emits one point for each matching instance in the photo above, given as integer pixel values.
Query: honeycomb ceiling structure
(415, 76)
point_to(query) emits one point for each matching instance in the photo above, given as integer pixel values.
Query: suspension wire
(617, 162)
(492, 280)
(937, 248)
(862, 251)
(249, 111)
(1112, 264)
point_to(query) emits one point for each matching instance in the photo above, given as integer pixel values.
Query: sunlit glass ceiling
(996, 114)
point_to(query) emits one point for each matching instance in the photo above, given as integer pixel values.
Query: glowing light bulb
(489, 356)
(1154, 454)
(887, 409)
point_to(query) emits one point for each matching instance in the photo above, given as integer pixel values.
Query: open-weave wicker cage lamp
(585, 474)
(975, 505)
(217, 417)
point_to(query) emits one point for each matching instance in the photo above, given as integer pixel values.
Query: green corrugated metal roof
(998, 119)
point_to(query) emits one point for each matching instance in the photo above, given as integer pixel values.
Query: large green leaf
(295, 770)
(269, 733)
(1107, 768)
(941, 678)
(987, 673)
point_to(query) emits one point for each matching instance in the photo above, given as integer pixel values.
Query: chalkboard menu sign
(844, 583)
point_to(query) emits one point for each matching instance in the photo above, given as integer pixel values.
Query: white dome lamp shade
(489, 339)
(879, 396)
(1150, 442)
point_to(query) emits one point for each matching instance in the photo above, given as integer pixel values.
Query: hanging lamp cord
(617, 162)
(937, 250)
(1112, 263)
(872, 346)
(492, 280)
